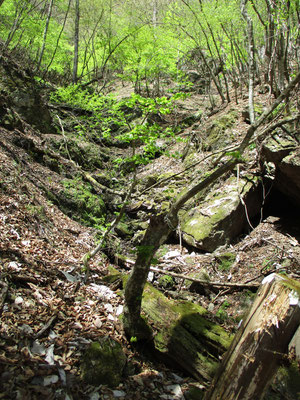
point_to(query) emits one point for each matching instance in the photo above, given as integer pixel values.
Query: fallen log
(261, 344)
(235, 285)
(207, 282)
(184, 336)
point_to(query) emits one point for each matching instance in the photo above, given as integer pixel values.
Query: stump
(261, 344)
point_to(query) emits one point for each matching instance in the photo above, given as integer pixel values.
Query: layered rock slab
(222, 215)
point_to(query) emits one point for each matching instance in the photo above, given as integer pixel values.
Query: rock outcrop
(221, 216)
(284, 152)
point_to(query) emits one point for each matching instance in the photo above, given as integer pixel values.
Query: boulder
(21, 97)
(221, 216)
(287, 176)
(218, 133)
(277, 147)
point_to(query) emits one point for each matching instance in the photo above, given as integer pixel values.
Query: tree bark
(76, 42)
(261, 344)
(251, 58)
(45, 34)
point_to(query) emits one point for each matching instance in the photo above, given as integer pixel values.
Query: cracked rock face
(287, 177)
(221, 216)
(285, 154)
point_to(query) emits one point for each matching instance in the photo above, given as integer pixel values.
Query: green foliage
(128, 121)
(126, 39)
(221, 313)
(133, 339)
(225, 261)
(166, 281)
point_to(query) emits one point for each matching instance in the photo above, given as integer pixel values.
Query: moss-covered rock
(20, 94)
(218, 133)
(220, 217)
(78, 201)
(166, 281)
(225, 260)
(103, 363)
(123, 230)
(194, 393)
(88, 155)
(287, 178)
(197, 286)
(277, 147)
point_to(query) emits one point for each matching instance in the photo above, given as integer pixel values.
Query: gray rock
(221, 216)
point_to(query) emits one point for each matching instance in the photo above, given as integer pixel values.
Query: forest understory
(49, 314)
(75, 157)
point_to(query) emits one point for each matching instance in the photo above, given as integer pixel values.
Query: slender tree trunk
(58, 38)
(251, 58)
(76, 42)
(45, 34)
(16, 24)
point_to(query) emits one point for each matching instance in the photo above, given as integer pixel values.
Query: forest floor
(49, 315)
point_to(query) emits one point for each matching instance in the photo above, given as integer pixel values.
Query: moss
(194, 393)
(103, 363)
(78, 201)
(112, 276)
(209, 225)
(216, 132)
(168, 313)
(225, 261)
(166, 281)
(123, 230)
(83, 153)
(291, 284)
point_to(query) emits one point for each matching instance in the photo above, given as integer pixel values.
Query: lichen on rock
(220, 216)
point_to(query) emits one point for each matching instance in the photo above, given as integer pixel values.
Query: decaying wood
(184, 335)
(261, 344)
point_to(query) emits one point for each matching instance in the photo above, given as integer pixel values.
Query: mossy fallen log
(184, 335)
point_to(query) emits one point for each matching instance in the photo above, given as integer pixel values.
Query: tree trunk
(261, 344)
(76, 41)
(45, 34)
(251, 58)
(58, 38)
(156, 234)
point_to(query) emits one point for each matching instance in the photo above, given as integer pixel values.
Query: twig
(64, 136)
(3, 293)
(45, 327)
